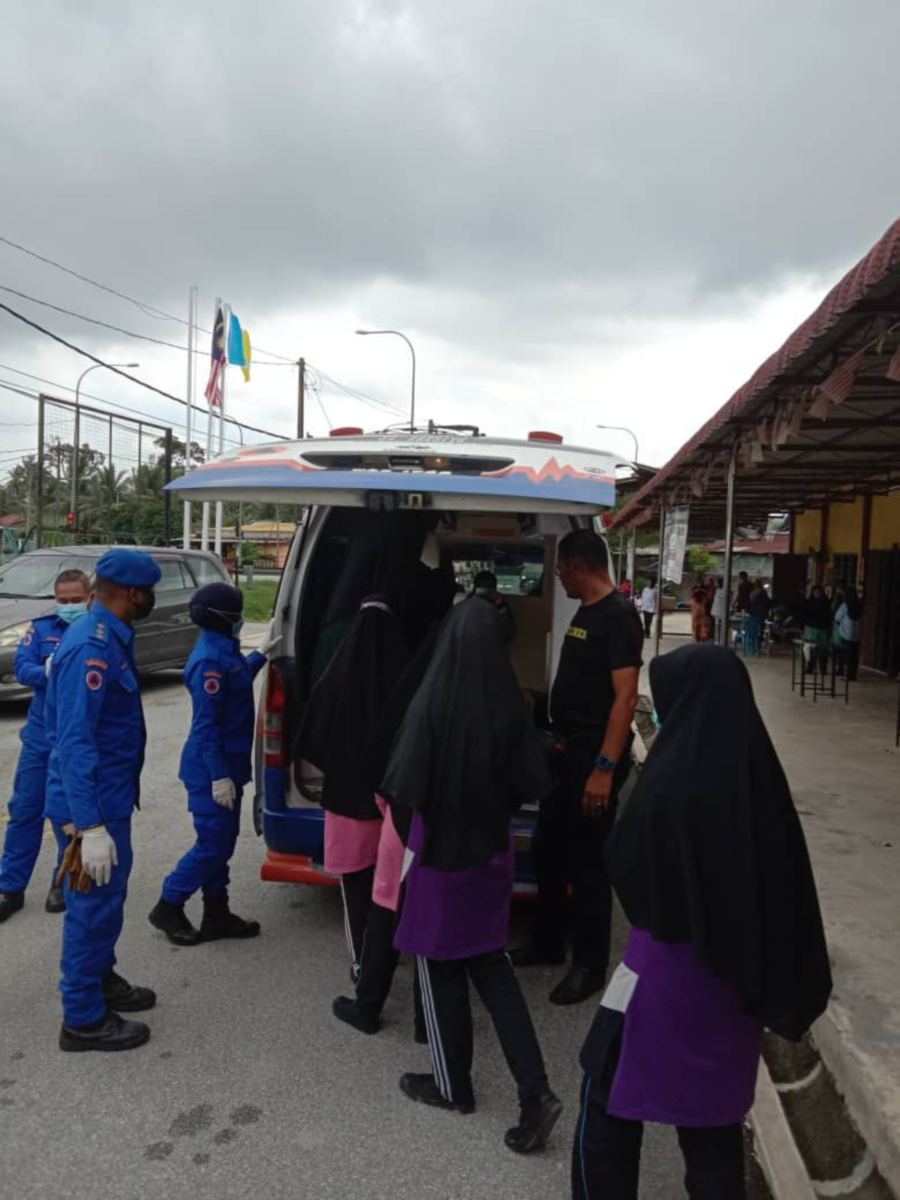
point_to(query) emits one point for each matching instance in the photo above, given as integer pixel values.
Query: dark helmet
(218, 606)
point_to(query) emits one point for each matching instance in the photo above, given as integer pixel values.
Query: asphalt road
(249, 1087)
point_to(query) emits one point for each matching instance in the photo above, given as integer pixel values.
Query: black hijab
(710, 850)
(467, 754)
(817, 610)
(345, 706)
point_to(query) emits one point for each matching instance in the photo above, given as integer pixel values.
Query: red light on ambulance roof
(542, 435)
(346, 431)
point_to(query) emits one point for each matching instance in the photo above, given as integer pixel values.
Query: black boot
(351, 1012)
(537, 1116)
(56, 901)
(174, 924)
(112, 1033)
(580, 983)
(220, 922)
(121, 996)
(10, 902)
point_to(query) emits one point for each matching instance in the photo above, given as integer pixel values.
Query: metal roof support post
(659, 577)
(729, 541)
(632, 546)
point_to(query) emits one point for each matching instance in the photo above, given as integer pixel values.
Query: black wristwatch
(605, 763)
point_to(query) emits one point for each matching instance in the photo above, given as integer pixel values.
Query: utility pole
(301, 398)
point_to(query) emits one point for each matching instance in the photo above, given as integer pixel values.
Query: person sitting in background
(846, 625)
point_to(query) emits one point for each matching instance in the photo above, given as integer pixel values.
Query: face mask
(237, 626)
(143, 608)
(71, 612)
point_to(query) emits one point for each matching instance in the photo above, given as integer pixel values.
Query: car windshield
(35, 574)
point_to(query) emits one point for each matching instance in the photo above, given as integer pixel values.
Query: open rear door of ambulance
(397, 470)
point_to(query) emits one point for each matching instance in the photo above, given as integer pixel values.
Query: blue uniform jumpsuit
(220, 681)
(26, 808)
(95, 767)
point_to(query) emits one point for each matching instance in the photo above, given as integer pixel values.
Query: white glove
(269, 642)
(224, 792)
(98, 854)
(47, 664)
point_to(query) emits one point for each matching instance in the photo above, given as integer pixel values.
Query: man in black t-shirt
(591, 705)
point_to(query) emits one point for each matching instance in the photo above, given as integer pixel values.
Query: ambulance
(467, 502)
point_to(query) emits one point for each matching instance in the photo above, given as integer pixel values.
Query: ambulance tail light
(346, 431)
(544, 435)
(275, 712)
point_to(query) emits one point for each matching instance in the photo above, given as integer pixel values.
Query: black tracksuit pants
(356, 893)
(568, 853)
(606, 1156)
(448, 1020)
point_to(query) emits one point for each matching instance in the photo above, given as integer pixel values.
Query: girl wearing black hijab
(711, 867)
(466, 757)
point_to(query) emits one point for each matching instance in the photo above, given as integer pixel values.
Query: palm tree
(102, 492)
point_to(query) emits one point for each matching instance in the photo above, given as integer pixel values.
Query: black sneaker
(112, 1033)
(56, 901)
(530, 955)
(537, 1116)
(579, 984)
(174, 924)
(121, 996)
(220, 922)
(424, 1089)
(10, 902)
(351, 1013)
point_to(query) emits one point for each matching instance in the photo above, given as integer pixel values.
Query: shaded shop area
(813, 436)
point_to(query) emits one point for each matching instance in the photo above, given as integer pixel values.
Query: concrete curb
(775, 1146)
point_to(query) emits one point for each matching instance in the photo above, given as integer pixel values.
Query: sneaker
(112, 1033)
(351, 1013)
(426, 1091)
(537, 1116)
(121, 996)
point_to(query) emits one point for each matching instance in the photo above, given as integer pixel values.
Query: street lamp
(631, 544)
(73, 490)
(412, 398)
(624, 429)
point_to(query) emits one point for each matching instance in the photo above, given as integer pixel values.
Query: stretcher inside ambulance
(458, 503)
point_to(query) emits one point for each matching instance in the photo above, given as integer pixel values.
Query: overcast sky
(579, 211)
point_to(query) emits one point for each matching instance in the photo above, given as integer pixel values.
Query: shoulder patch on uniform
(96, 662)
(211, 686)
(29, 634)
(94, 680)
(576, 631)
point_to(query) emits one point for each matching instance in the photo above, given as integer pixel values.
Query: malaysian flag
(218, 363)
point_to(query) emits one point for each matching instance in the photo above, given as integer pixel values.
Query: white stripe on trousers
(348, 931)
(435, 1045)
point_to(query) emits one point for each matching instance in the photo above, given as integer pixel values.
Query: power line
(144, 337)
(117, 371)
(149, 309)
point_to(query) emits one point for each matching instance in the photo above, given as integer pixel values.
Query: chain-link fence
(100, 477)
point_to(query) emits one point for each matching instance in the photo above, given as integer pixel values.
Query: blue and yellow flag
(239, 350)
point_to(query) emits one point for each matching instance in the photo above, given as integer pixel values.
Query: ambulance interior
(520, 550)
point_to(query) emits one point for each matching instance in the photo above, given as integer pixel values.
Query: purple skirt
(454, 914)
(689, 1053)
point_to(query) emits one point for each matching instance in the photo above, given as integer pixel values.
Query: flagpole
(204, 534)
(226, 327)
(192, 317)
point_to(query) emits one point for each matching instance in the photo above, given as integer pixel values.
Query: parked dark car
(164, 640)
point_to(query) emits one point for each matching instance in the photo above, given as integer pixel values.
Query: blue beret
(128, 568)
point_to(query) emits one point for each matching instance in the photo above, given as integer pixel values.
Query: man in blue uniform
(215, 765)
(98, 738)
(26, 808)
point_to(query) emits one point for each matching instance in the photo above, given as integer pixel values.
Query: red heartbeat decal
(550, 470)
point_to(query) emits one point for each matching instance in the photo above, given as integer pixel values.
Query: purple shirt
(454, 914)
(690, 1051)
